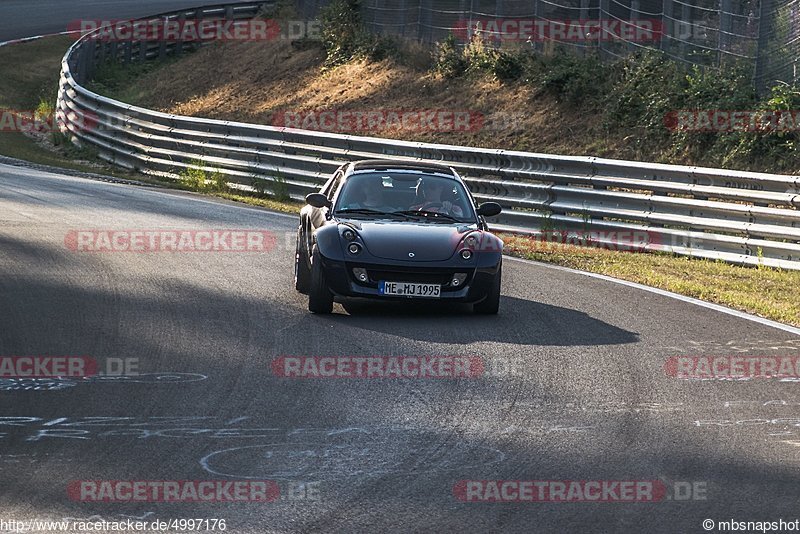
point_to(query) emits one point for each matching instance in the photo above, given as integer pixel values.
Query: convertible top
(386, 164)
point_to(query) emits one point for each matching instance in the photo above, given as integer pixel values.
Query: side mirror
(489, 209)
(318, 200)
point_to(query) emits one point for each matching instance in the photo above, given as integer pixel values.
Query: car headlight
(466, 253)
(349, 235)
(353, 248)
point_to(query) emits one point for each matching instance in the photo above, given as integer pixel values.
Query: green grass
(30, 72)
(761, 291)
(114, 80)
(29, 75)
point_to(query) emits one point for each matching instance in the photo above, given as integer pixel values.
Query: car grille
(418, 277)
(441, 276)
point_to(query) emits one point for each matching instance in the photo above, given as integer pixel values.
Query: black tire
(320, 298)
(491, 304)
(302, 274)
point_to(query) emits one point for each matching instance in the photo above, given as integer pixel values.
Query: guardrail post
(199, 14)
(86, 54)
(127, 55)
(142, 52)
(103, 47)
(91, 53)
(179, 41)
(112, 51)
(162, 42)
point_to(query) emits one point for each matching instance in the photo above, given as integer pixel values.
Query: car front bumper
(480, 277)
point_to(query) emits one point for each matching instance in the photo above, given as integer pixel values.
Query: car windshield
(415, 195)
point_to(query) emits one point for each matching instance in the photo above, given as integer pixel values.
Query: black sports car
(386, 229)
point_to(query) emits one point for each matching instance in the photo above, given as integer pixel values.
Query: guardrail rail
(739, 217)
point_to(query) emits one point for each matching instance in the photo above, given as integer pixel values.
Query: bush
(479, 56)
(279, 189)
(570, 78)
(196, 178)
(449, 59)
(509, 66)
(647, 87)
(219, 184)
(345, 38)
(778, 147)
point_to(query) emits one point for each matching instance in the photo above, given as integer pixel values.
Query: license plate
(409, 289)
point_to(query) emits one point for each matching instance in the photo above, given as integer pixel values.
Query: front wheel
(491, 304)
(320, 298)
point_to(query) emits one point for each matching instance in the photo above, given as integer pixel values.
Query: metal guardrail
(738, 217)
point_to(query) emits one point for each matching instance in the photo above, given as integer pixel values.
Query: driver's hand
(451, 208)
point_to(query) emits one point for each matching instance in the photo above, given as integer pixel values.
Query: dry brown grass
(251, 81)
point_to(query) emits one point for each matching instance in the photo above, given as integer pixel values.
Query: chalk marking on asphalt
(59, 383)
(335, 460)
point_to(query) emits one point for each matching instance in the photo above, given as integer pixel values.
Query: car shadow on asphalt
(519, 321)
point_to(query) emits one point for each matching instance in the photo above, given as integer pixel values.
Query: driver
(431, 193)
(373, 197)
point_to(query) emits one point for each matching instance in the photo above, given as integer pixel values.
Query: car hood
(394, 240)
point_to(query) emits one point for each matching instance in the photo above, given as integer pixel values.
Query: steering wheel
(430, 205)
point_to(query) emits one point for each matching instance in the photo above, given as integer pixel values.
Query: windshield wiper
(369, 211)
(426, 214)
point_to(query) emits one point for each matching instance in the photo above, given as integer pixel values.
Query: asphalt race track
(574, 386)
(27, 18)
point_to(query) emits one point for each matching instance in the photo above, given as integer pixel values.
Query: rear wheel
(491, 304)
(302, 274)
(320, 298)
